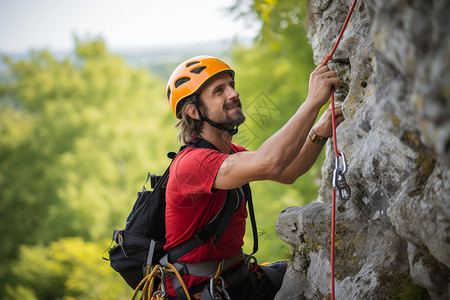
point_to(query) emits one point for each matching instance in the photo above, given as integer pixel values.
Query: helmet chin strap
(231, 131)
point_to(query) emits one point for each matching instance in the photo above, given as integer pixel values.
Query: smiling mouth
(236, 105)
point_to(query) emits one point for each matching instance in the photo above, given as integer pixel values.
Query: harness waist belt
(206, 268)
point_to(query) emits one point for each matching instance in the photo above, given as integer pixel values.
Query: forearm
(284, 147)
(302, 163)
(281, 149)
(276, 155)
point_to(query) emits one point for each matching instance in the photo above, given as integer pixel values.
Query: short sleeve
(196, 169)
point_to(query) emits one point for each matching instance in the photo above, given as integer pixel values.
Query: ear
(191, 111)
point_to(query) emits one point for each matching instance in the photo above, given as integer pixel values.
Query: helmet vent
(192, 63)
(169, 93)
(181, 81)
(198, 70)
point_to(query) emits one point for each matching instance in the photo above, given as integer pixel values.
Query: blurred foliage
(78, 136)
(67, 269)
(77, 140)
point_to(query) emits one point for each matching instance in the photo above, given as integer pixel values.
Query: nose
(232, 93)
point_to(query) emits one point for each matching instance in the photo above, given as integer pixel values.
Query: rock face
(393, 235)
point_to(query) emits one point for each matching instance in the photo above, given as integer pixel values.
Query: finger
(338, 114)
(321, 69)
(340, 120)
(341, 117)
(327, 113)
(329, 74)
(338, 110)
(334, 82)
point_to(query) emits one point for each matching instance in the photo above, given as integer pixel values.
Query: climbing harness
(147, 284)
(339, 183)
(217, 285)
(222, 274)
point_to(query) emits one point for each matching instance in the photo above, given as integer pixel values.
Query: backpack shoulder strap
(251, 211)
(220, 222)
(223, 218)
(199, 142)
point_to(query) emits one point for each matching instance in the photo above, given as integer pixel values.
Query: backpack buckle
(118, 238)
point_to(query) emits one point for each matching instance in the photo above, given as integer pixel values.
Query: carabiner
(222, 290)
(159, 295)
(212, 287)
(341, 185)
(161, 273)
(162, 276)
(344, 162)
(216, 290)
(339, 182)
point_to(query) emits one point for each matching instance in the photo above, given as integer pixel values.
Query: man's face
(220, 101)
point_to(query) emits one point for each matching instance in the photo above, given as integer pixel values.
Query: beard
(230, 121)
(238, 119)
(226, 119)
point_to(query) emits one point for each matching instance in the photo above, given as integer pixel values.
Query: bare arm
(278, 152)
(301, 164)
(310, 151)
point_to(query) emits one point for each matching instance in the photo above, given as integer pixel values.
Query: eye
(218, 90)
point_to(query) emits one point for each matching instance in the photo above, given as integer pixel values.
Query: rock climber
(201, 93)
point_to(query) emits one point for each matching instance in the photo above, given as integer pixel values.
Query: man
(201, 93)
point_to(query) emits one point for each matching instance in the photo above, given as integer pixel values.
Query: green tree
(67, 269)
(77, 137)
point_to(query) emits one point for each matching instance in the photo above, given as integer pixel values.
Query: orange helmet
(190, 76)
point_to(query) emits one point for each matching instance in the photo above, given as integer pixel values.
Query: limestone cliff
(393, 235)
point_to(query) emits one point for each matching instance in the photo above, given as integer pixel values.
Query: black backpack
(140, 244)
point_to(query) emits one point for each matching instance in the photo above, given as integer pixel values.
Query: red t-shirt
(191, 203)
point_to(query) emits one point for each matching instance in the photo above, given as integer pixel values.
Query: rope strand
(330, 56)
(333, 121)
(336, 152)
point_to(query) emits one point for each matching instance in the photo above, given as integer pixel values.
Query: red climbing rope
(338, 171)
(333, 122)
(329, 56)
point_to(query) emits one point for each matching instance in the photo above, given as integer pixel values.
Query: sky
(124, 24)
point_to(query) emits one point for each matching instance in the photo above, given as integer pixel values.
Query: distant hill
(159, 61)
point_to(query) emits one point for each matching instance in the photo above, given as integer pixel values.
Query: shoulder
(237, 148)
(194, 152)
(194, 170)
(194, 157)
